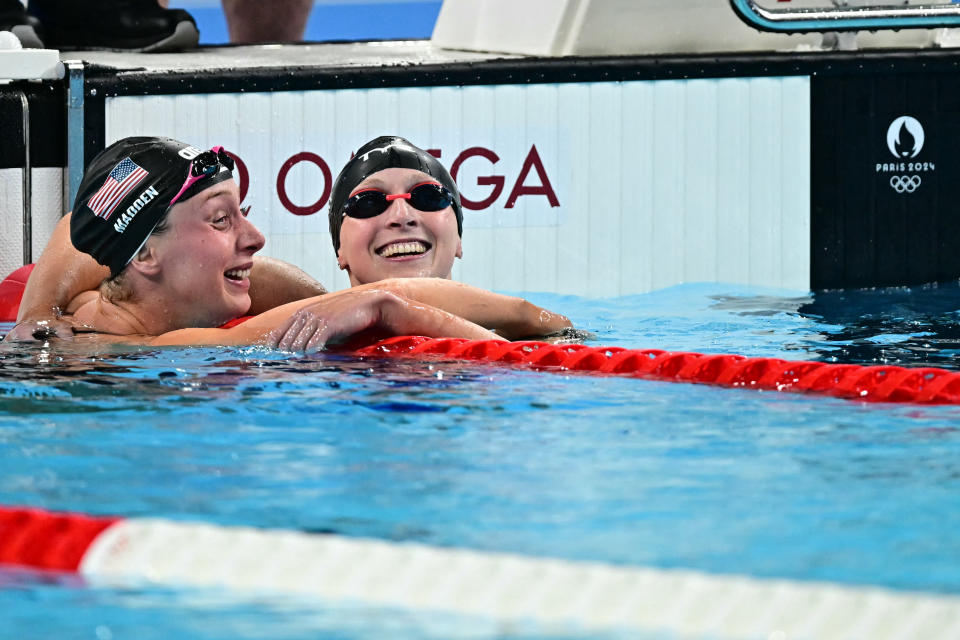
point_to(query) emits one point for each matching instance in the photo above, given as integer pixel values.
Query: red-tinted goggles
(369, 203)
(203, 166)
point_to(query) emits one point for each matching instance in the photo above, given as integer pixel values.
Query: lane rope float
(880, 383)
(551, 593)
(11, 292)
(883, 383)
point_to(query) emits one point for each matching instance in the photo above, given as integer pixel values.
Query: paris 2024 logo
(905, 140)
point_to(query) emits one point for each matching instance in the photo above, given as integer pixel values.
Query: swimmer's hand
(569, 335)
(334, 318)
(511, 317)
(40, 330)
(529, 321)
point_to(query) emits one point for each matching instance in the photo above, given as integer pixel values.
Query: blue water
(356, 20)
(617, 470)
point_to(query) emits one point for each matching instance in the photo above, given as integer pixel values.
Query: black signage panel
(47, 130)
(885, 179)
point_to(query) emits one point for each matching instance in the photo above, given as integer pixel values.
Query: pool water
(582, 467)
(333, 19)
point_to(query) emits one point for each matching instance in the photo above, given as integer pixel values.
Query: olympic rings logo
(905, 184)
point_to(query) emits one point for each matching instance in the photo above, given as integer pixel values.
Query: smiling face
(204, 257)
(401, 242)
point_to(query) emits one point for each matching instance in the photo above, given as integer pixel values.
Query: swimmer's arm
(312, 324)
(275, 282)
(511, 317)
(60, 274)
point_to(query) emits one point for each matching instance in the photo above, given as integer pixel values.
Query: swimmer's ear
(146, 261)
(459, 252)
(342, 262)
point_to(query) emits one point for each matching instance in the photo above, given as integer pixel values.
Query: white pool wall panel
(657, 182)
(47, 202)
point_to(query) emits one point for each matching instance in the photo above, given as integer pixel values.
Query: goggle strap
(220, 158)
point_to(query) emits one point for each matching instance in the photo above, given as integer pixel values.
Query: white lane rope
(505, 587)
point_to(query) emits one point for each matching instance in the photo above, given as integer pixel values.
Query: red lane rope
(11, 292)
(867, 383)
(45, 540)
(872, 384)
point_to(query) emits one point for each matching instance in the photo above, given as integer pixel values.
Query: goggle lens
(370, 203)
(204, 165)
(208, 163)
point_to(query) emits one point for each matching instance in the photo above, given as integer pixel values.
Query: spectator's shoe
(119, 25)
(14, 18)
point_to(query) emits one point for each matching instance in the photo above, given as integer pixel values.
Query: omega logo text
(532, 180)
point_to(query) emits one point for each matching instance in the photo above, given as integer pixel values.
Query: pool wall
(587, 188)
(596, 176)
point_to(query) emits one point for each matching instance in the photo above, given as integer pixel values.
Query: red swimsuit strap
(235, 322)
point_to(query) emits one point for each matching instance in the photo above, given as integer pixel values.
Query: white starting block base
(638, 27)
(30, 64)
(599, 27)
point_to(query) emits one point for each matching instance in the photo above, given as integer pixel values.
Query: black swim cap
(386, 152)
(126, 191)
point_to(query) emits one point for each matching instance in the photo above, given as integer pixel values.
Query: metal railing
(27, 183)
(75, 75)
(845, 18)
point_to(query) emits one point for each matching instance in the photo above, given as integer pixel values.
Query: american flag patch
(121, 181)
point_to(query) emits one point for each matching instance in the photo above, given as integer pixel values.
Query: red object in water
(45, 540)
(924, 385)
(11, 292)
(856, 382)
